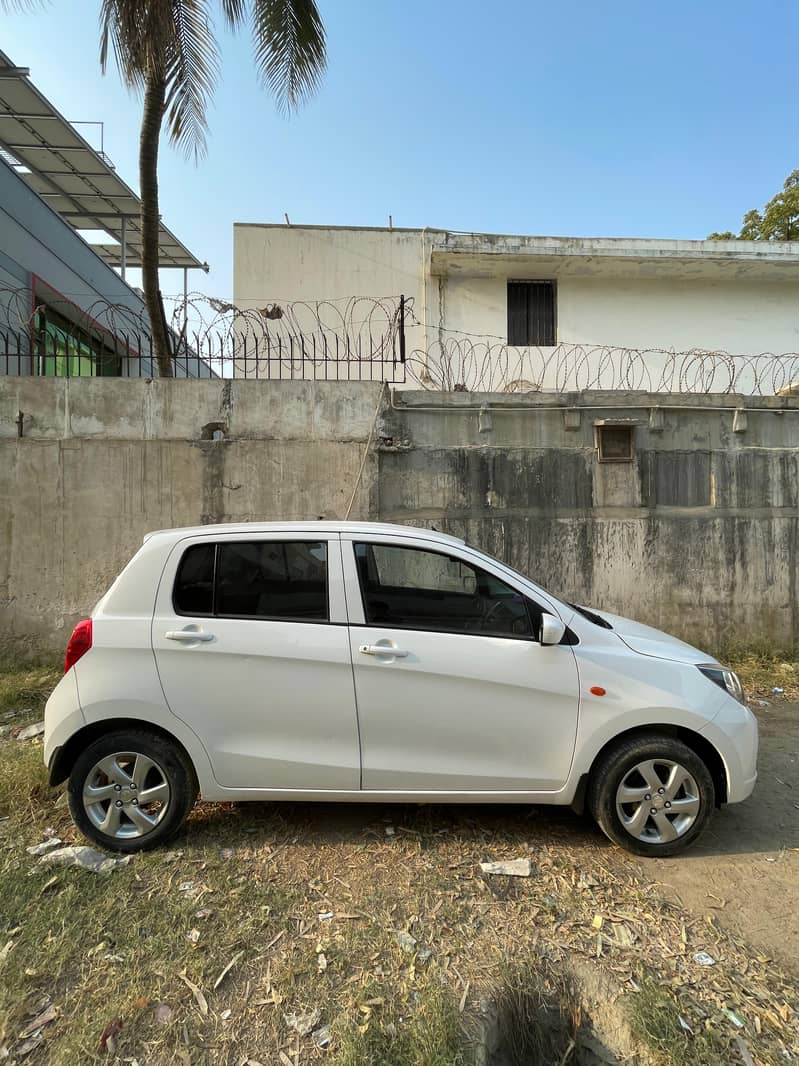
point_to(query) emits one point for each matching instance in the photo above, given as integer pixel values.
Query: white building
(521, 312)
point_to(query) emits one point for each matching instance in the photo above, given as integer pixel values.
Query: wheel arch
(65, 757)
(706, 751)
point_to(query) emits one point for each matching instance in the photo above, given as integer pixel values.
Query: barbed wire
(362, 337)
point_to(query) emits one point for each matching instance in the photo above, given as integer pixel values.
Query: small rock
(778, 691)
(40, 849)
(31, 731)
(405, 940)
(193, 935)
(86, 857)
(390, 831)
(511, 868)
(303, 1023)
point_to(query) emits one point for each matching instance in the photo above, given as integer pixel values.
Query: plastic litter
(303, 1023)
(704, 959)
(321, 1036)
(405, 940)
(31, 731)
(41, 849)
(86, 857)
(511, 868)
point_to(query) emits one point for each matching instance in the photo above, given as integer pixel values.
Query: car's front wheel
(131, 790)
(651, 794)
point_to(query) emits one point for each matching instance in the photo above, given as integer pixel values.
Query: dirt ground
(745, 868)
(744, 871)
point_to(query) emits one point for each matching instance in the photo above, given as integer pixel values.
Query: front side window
(279, 580)
(411, 588)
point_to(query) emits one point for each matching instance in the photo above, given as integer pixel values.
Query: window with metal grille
(531, 313)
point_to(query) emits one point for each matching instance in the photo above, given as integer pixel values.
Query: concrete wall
(699, 534)
(102, 461)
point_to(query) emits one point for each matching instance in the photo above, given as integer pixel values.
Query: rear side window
(194, 583)
(278, 580)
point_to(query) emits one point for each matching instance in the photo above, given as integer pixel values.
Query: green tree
(778, 221)
(167, 51)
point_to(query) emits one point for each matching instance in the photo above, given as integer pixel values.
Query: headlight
(725, 679)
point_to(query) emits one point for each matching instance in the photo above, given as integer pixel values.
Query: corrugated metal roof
(78, 182)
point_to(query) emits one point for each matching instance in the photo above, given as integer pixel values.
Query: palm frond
(21, 5)
(290, 51)
(234, 11)
(192, 69)
(139, 35)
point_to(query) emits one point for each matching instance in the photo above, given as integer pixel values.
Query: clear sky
(566, 118)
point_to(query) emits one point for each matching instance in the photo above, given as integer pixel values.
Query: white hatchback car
(365, 662)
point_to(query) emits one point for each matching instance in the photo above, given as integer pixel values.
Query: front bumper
(734, 733)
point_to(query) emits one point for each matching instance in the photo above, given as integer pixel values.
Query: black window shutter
(531, 313)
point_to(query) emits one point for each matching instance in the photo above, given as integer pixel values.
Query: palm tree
(166, 49)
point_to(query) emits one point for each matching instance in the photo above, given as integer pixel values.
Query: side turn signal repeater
(597, 690)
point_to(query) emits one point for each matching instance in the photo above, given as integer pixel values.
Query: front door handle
(383, 649)
(188, 636)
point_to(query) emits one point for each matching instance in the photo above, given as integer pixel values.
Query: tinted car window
(272, 579)
(194, 584)
(410, 588)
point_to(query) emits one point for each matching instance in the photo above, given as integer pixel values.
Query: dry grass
(762, 672)
(307, 902)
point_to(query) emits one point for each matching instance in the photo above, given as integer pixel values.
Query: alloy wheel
(657, 801)
(126, 795)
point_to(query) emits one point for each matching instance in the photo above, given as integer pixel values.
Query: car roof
(322, 525)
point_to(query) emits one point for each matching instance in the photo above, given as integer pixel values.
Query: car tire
(651, 794)
(113, 772)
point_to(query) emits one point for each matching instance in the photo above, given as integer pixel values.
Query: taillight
(79, 643)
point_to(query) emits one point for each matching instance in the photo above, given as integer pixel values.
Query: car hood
(647, 640)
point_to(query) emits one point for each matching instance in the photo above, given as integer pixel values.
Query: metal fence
(355, 339)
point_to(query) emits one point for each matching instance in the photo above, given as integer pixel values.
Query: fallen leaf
(227, 969)
(39, 1022)
(107, 1041)
(202, 1002)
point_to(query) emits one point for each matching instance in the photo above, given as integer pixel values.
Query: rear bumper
(62, 719)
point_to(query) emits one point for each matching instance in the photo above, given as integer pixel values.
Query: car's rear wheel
(131, 790)
(651, 794)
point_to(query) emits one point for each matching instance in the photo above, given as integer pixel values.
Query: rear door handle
(188, 636)
(383, 649)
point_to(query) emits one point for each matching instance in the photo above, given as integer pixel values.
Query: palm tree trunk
(152, 117)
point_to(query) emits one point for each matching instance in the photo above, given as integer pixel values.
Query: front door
(253, 655)
(454, 691)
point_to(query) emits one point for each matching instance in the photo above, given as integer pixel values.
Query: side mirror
(552, 629)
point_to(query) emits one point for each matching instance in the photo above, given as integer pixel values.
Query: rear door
(454, 691)
(251, 644)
